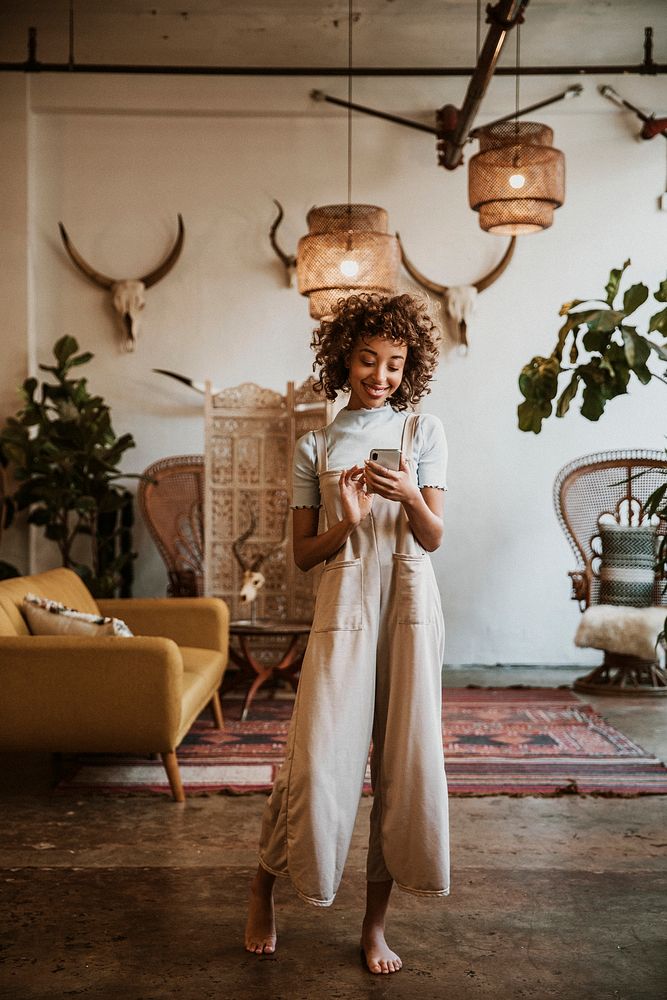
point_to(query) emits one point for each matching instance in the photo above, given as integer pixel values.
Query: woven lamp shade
(354, 236)
(517, 179)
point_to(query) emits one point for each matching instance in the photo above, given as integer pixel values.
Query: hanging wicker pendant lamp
(517, 179)
(347, 250)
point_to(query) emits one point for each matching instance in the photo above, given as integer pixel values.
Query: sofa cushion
(202, 672)
(46, 617)
(625, 630)
(56, 584)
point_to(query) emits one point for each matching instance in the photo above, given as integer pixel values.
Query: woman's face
(376, 370)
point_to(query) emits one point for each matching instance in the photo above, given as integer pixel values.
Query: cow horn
(261, 559)
(165, 267)
(288, 260)
(243, 537)
(493, 275)
(100, 279)
(430, 286)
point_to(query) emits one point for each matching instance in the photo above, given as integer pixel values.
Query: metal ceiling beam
(631, 69)
(33, 65)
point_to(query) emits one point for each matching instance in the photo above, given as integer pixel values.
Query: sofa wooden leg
(170, 762)
(217, 711)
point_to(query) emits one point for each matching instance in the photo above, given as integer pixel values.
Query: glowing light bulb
(517, 181)
(350, 268)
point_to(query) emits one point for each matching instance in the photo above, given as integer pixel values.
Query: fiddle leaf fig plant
(65, 459)
(604, 349)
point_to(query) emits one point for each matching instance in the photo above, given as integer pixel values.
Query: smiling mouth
(376, 390)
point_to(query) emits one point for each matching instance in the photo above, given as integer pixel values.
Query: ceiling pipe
(33, 65)
(454, 124)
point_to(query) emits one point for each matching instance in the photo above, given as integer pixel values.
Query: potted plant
(605, 350)
(64, 455)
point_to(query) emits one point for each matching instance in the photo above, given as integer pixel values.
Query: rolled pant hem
(307, 899)
(272, 871)
(423, 892)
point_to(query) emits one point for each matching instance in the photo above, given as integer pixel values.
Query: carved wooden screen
(250, 437)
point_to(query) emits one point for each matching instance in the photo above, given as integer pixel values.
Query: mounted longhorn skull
(128, 295)
(253, 578)
(458, 300)
(288, 260)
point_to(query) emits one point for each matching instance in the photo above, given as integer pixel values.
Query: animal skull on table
(253, 578)
(128, 294)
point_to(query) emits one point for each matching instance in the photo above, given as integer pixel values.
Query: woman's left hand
(397, 486)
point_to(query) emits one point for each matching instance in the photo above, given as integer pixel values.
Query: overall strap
(408, 435)
(321, 442)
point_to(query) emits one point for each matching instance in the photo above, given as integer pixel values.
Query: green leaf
(634, 297)
(659, 322)
(565, 308)
(596, 340)
(28, 388)
(593, 403)
(40, 516)
(611, 288)
(64, 349)
(637, 348)
(655, 499)
(81, 359)
(531, 416)
(661, 294)
(660, 351)
(605, 320)
(568, 395)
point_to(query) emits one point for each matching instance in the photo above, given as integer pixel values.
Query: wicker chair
(613, 486)
(171, 499)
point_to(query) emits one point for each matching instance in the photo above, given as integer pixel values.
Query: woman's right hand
(356, 502)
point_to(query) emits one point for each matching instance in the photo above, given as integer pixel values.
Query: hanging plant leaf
(612, 286)
(658, 322)
(568, 395)
(635, 296)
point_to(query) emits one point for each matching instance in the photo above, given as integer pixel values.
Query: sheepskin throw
(630, 631)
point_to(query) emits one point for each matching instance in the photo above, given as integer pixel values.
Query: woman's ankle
(263, 882)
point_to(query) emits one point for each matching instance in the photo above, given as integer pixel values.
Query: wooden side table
(258, 673)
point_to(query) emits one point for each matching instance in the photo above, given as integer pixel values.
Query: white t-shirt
(350, 437)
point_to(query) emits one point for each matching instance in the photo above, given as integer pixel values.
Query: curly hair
(401, 318)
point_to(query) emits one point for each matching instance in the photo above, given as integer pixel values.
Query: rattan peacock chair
(171, 500)
(612, 488)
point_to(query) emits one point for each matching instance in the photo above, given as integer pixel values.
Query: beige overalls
(372, 668)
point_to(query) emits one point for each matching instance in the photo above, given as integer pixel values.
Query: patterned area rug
(498, 741)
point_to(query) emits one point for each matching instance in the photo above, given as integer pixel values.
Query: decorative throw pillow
(627, 569)
(45, 617)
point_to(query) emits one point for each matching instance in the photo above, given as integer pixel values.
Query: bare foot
(379, 956)
(260, 931)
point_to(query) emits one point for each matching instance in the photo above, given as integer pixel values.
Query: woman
(373, 663)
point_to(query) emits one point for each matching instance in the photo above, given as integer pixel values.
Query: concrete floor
(143, 899)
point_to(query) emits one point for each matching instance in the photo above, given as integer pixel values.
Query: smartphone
(390, 458)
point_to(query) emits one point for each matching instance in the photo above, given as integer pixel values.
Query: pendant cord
(349, 107)
(71, 34)
(517, 77)
(479, 29)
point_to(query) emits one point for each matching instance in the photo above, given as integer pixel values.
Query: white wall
(116, 158)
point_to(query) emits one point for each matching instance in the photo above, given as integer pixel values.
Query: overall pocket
(339, 598)
(416, 600)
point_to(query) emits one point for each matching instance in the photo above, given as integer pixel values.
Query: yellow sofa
(77, 694)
